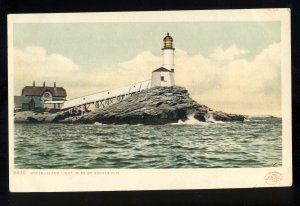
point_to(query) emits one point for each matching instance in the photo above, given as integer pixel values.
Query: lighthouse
(165, 75)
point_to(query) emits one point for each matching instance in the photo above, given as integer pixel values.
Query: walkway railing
(106, 98)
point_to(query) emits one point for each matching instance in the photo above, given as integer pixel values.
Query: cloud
(228, 54)
(236, 85)
(240, 85)
(35, 59)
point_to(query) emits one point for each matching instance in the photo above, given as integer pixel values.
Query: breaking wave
(191, 120)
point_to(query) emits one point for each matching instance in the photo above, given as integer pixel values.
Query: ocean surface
(257, 142)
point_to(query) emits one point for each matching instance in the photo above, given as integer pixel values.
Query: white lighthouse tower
(165, 76)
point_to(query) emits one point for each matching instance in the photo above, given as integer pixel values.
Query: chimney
(33, 84)
(54, 84)
(43, 84)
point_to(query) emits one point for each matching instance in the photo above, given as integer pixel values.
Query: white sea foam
(192, 121)
(98, 123)
(261, 120)
(211, 119)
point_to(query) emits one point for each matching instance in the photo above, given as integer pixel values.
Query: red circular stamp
(273, 177)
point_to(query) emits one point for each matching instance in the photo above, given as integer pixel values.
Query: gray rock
(42, 117)
(29, 116)
(159, 105)
(221, 116)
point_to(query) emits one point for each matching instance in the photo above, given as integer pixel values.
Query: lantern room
(168, 42)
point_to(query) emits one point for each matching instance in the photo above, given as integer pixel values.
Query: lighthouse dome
(168, 37)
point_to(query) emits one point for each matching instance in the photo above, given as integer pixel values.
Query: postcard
(157, 100)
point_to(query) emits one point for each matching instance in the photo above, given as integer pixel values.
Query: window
(162, 78)
(47, 95)
(168, 44)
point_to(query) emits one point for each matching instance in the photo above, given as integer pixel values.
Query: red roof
(161, 69)
(39, 91)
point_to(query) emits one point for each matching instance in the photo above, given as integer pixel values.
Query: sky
(229, 66)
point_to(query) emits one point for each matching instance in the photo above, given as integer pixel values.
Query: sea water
(256, 142)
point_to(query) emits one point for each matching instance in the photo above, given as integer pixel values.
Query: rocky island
(158, 105)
